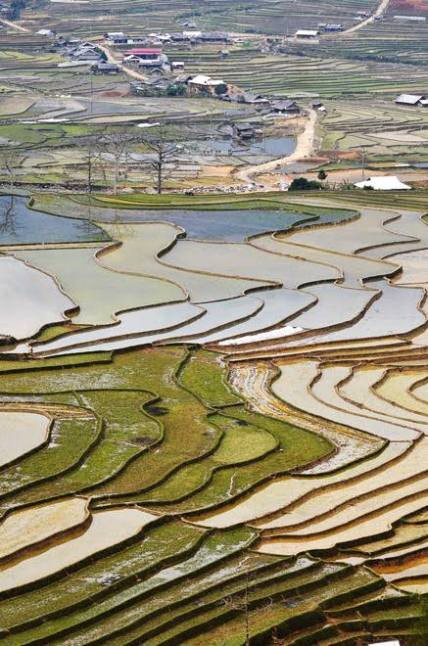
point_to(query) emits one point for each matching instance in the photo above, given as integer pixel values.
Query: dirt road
(127, 70)
(304, 148)
(13, 25)
(383, 6)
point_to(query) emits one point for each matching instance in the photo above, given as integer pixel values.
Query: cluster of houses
(416, 100)
(328, 28)
(323, 28)
(193, 36)
(201, 85)
(84, 53)
(182, 85)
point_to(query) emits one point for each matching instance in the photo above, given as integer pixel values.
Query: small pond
(272, 147)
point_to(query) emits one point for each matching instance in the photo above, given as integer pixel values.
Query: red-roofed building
(146, 57)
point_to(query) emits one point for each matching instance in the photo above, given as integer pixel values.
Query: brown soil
(410, 6)
(115, 93)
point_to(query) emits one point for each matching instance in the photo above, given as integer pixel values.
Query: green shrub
(303, 184)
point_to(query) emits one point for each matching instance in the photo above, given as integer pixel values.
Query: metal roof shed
(409, 99)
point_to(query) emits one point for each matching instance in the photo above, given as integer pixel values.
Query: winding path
(304, 148)
(14, 25)
(125, 70)
(383, 6)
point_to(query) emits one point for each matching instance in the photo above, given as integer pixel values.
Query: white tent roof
(388, 183)
(393, 642)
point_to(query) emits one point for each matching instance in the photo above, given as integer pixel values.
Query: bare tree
(112, 148)
(10, 161)
(8, 221)
(163, 152)
(241, 604)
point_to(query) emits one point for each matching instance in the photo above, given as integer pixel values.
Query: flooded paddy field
(206, 391)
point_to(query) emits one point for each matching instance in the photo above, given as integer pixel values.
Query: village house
(197, 36)
(159, 86)
(87, 54)
(105, 68)
(333, 27)
(202, 84)
(243, 131)
(253, 99)
(193, 36)
(214, 37)
(329, 27)
(117, 38)
(285, 106)
(146, 57)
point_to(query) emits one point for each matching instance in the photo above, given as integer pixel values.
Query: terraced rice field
(166, 15)
(218, 437)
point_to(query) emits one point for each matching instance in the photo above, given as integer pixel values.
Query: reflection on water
(232, 225)
(8, 217)
(21, 225)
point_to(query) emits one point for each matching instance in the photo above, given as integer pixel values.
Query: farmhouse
(145, 53)
(116, 37)
(330, 27)
(409, 99)
(104, 68)
(306, 34)
(196, 36)
(86, 54)
(214, 37)
(192, 35)
(317, 105)
(147, 57)
(253, 99)
(203, 83)
(243, 131)
(285, 106)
